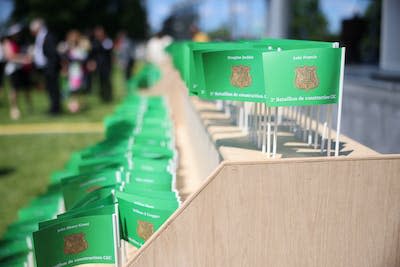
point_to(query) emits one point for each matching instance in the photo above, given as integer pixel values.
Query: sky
(5, 9)
(252, 13)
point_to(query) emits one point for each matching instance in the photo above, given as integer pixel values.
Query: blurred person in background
(155, 50)
(125, 51)
(101, 60)
(18, 68)
(2, 65)
(198, 35)
(75, 54)
(47, 60)
(90, 64)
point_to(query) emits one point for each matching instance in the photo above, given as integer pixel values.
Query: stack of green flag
(122, 187)
(146, 77)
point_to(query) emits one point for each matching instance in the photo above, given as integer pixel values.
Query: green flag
(234, 75)
(139, 222)
(76, 241)
(75, 188)
(302, 77)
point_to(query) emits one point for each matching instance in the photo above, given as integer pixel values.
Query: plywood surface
(308, 212)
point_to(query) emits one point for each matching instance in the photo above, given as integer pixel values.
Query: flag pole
(264, 137)
(275, 132)
(329, 114)
(269, 133)
(309, 131)
(316, 128)
(339, 112)
(323, 137)
(260, 124)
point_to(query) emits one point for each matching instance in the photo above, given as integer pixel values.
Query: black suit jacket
(50, 52)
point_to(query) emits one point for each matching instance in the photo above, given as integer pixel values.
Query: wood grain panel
(308, 212)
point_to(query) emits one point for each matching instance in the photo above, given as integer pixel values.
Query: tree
(62, 16)
(308, 21)
(221, 33)
(371, 42)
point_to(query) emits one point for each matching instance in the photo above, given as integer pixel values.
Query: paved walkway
(51, 128)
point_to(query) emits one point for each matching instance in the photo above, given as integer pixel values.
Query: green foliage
(61, 16)
(370, 44)
(222, 33)
(308, 21)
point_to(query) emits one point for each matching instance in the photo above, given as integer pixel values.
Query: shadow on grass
(6, 171)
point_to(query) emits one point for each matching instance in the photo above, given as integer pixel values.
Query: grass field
(27, 160)
(95, 111)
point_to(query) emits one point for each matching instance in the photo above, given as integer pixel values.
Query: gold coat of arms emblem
(75, 243)
(306, 77)
(241, 76)
(145, 230)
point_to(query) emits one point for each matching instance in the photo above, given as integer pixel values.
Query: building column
(390, 36)
(278, 18)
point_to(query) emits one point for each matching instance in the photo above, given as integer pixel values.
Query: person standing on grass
(125, 51)
(47, 60)
(101, 58)
(18, 69)
(2, 65)
(75, 55)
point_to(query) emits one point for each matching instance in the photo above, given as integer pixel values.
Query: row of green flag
(119, 189)
(277, 72)
(148, 75)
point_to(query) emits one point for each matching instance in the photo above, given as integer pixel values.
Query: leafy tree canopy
(61, 16)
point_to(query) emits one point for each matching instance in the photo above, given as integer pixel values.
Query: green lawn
(26, 162)
(96, 110)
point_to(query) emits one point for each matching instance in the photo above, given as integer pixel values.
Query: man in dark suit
(46, 59)
(102, 56)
